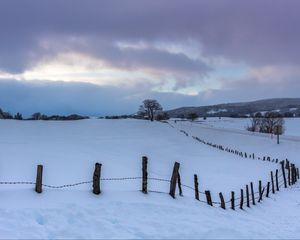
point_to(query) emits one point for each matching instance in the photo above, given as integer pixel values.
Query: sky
(97, 57)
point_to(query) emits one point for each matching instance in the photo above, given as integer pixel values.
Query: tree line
(40, 116)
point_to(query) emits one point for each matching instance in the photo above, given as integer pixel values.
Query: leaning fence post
(208, 198)
(222, 201)
(277, 183)
(232, 200)
(268, 189)
(272, 181)
(196, 186)
(287, 166)
(96, 179)
(247, 196)
(252, 193)
(242, 199)
(173, 181)
(283, 173)
(145, 174)
(39, 179)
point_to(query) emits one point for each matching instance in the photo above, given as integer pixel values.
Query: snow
(216, 111)
(292, 125)
(69, 150)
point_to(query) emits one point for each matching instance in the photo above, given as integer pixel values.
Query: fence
(240, 153)
(289, 175)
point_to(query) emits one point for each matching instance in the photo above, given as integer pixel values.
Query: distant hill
(286, 106)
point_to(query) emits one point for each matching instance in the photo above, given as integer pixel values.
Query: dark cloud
(256, 32)
(153, 58)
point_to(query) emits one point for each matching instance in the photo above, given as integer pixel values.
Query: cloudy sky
(104, 57)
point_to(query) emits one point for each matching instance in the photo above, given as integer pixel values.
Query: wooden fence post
(289, 175)
(268, 189)
(242, 199)
(196, 184)
(252, 193)
(260, 191)
(287, 166)
(277, 183)
(39, 179)
(145, 174)
(247, 196)
(222, 201)
(272, 181)
(179, 184)
(232, 201)
(283, 173)
(297, 170)
(208, 198)
(96, 179)
(293, 173)
(173, 181)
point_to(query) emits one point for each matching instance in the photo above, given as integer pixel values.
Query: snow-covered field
(292, 125)
(69, 150)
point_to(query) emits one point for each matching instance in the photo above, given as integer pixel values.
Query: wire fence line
(257, 194)
(227, 149)
(288, 170)
(66, 185)
(89, 182)
(17, 183)
(113, 179)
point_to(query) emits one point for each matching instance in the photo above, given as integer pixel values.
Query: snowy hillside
(292, 125)
(69, 150)
(281, 105)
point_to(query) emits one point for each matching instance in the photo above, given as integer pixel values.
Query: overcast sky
(104, 57)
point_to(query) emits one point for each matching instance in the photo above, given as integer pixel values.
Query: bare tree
(162, 116)
(36, 116)
(150, 108)
(271, 122)
(18, 116)
(192, 116)
(255, 124)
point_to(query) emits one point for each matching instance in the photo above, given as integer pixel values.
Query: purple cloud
(254, 33)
